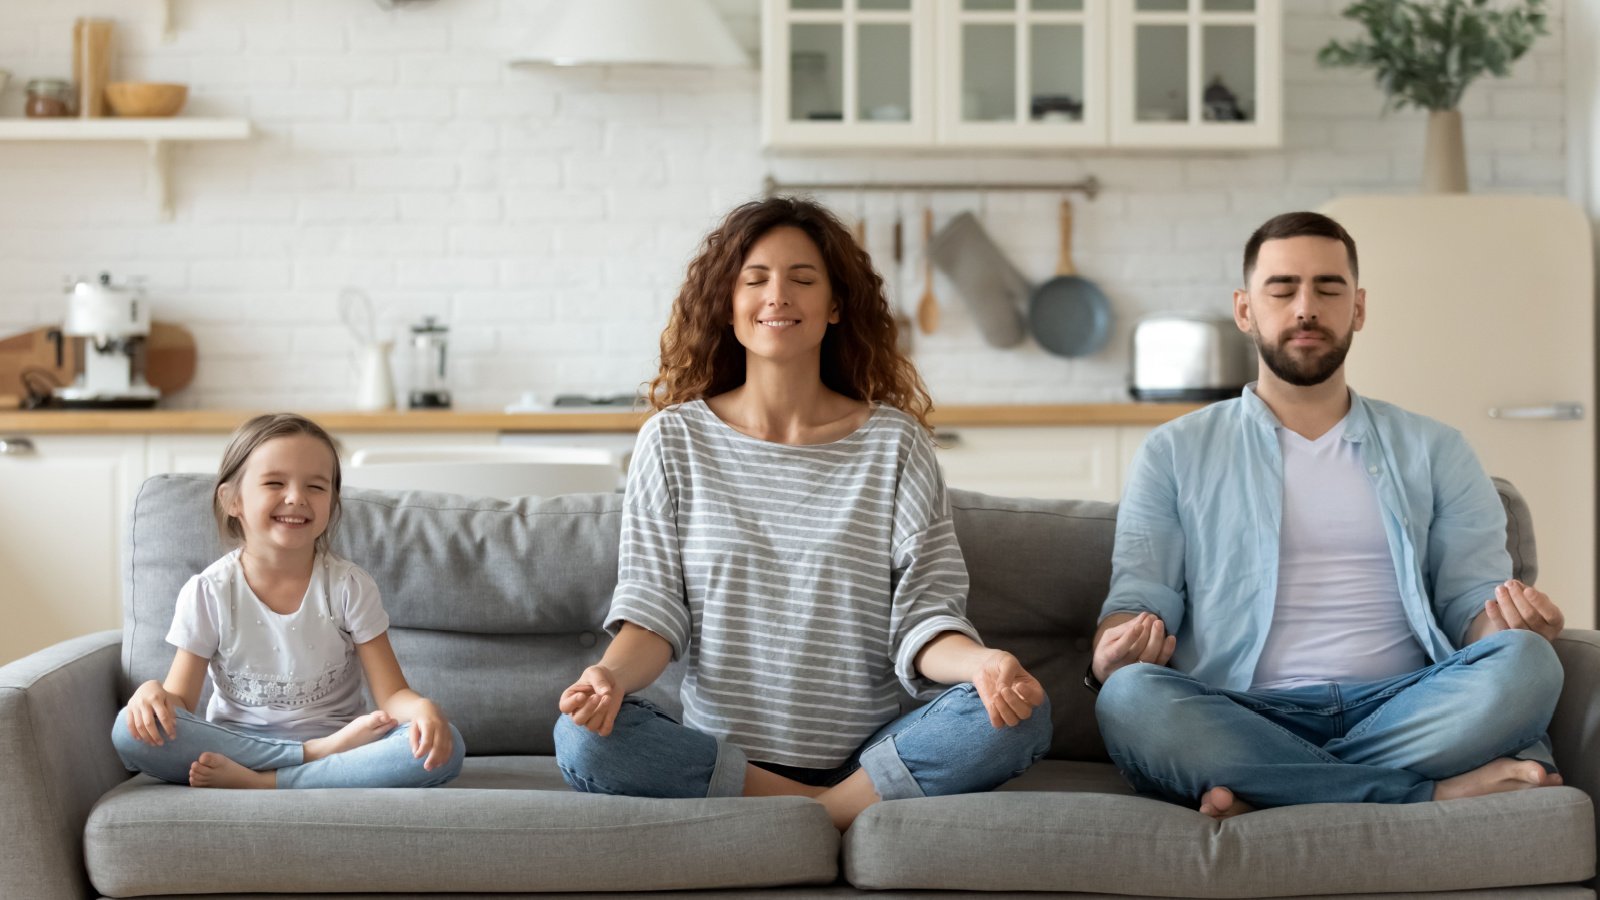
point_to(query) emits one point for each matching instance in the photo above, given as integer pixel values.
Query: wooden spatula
(928, 306)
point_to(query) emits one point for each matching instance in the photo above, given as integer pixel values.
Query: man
(1311, 599)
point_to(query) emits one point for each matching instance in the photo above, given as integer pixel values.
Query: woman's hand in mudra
(593, 700)
(1008, 692)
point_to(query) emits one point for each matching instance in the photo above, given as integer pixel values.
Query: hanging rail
(1089, 186)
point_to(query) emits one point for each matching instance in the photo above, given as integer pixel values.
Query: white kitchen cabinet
(65, 500)
(1057, 462)
(1022, 73)
(1052, 462)
(1196, 73)
(203, 452)
(848, 71)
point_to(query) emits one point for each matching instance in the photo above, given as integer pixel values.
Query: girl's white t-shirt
(292, 676)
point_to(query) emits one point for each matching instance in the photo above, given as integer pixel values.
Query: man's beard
(1308, 369)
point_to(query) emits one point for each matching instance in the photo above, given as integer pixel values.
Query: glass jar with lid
(48, 98)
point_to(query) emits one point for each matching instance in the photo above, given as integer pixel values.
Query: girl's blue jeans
(944, 747)
(386, 762)
(1384, 741)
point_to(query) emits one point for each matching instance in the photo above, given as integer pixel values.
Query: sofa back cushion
(495, 606)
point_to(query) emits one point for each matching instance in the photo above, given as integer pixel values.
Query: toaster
(1190, 357)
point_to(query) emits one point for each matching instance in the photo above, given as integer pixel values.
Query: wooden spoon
(928, 306)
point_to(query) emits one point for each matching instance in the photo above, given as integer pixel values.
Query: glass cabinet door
(1198, 73)
(1022, 72)
(847, 72)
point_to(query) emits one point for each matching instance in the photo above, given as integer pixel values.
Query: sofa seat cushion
(506, 824)
(1036, 838)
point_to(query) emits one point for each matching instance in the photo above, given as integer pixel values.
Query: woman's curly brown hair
(861, 359)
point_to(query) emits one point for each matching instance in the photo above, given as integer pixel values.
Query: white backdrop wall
(547, 215)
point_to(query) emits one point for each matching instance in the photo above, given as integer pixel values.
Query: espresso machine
(114, 322)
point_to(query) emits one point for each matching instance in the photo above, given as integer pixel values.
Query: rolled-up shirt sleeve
(1147, 560)
(650, 590)
(1467, 556)
(930, 575)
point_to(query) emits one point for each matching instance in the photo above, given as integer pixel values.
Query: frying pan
(1069, 315)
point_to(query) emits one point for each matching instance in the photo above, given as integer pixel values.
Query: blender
(429, 390)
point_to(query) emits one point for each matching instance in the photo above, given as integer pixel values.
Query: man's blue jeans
(944, 747)
(1384, 742)
(386, 762)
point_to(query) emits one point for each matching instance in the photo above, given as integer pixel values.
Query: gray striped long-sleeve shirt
(800, 581)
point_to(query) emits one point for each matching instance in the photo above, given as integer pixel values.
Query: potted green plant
(1424, 53)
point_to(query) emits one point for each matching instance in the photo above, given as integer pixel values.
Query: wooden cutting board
(170, 359)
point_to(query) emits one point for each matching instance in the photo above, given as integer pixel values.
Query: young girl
(786, 528)
(287, 629)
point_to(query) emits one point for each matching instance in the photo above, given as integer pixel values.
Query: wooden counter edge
(445, 421)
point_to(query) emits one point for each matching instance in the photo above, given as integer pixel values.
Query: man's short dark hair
(1297, 224)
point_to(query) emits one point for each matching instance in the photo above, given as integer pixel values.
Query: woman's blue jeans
(386, 762)
(944, 747)
(1385, 741)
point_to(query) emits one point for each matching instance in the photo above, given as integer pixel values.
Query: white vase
(1444, 157)
(374, 383)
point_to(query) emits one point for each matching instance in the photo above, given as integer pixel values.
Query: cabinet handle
(16, 446)
(944, 440)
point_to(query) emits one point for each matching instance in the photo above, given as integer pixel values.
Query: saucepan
(1069, 315)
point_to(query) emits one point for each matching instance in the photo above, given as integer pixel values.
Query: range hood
(635, 33)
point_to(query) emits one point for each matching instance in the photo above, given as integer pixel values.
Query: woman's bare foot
(849, 798)
(1220, 803)
(213, 770)
(363, 730)
(1497, 777)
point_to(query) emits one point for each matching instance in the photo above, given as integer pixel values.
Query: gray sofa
(496, 606)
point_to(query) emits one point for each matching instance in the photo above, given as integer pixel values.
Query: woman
(786, 528)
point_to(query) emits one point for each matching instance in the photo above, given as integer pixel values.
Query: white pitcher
(375, 383)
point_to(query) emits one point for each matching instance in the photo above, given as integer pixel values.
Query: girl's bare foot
(1220, 803)
(364, 730)
(1497, 777)
(213, 770)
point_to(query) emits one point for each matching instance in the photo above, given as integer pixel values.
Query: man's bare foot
(213, 770)
(363, 730)
(1220, 803)
(1497, 777)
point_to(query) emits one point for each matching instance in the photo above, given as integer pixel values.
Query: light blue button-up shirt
(1197, 532)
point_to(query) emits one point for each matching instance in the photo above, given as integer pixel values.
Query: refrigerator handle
(1563, 411)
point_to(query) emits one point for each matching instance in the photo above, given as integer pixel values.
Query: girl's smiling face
(283, 497)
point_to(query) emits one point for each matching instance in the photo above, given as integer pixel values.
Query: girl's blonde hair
(251, 435)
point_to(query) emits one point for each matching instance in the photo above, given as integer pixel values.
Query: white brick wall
(547, 215)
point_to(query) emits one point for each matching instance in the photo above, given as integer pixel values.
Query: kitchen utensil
(355, 311)
(991, 286)
(145, 100)
(1189, 357)
(1069, 315)
(928, 306)
(903, 326)
(169, 358)
(35, 353)
(91, 64)
(429, 390)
